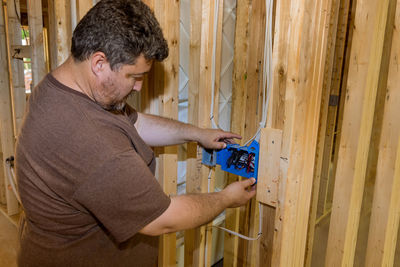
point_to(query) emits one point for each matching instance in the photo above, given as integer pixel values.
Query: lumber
(36, 41)
(272, 223)
(307, 53)
(193, 182)
(362, 83)
(253, 114)
(16, 68)
(232, 221)
(340, 111)
(323, 124)
(204, 114)
(268, 170)
(203, 236)
(166, 85)
(334, 97)
(386, 202)
(60, 31)
(83, 7)
(6, 118)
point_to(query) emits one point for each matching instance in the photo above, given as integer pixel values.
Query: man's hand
(238, 193)
(215, 138)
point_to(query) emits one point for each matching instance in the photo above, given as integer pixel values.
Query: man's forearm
(193, 210)
(159, 131)
(188, 211)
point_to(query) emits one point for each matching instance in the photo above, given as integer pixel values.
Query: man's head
(121, 29)
(119, 39)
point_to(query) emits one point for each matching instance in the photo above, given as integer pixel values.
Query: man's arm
(193, 210)
(159, 131)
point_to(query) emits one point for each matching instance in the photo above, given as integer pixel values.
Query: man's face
(114, 87)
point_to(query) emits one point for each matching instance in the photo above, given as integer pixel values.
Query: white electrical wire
(214, 48)
(267, 70)
(266, 83)
(12, 180)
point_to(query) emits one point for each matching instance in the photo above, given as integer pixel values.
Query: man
(85, 170)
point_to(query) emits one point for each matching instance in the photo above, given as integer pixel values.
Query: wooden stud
(370, 23)
(204, 234)
(17, 79)
(385, 211)
(60, 32)
(272, 223)
(231, 242)
(253, 114)
(340, 46)
(166, 85)
(204, 114)
(6, 118)
(307, 53)
(193, 182)
(83, 7)
(36, 41)
(325, 101)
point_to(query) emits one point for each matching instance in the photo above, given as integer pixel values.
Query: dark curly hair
(122, 30)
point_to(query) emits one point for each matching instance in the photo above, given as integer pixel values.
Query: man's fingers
(248, 182)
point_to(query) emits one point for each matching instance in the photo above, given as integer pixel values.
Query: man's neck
(73, 74)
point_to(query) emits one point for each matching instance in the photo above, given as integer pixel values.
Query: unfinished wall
(330, 161)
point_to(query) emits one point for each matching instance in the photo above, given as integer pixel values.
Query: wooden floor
(8, 242)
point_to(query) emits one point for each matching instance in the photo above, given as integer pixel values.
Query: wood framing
(334, 97)
(307, 53)
(323, 122)
(193, 182)
(36, 41)
(365, 61)
(386, 203)
(166, 86)
(16, 68)
(83, 7)
(6, 118)
(60, 31)
(268, 178)
(272, 223)
(231, 242)
(208, 44)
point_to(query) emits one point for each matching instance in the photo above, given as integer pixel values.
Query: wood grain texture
(323, 123)
(193, 182)
(6, 116)
(307, 45)
(36, 41)
(165, 87)
(83, 7)
(232, 221)
(385, 210)
(269, 160)
(370, 23)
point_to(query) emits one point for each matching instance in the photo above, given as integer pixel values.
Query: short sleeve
(131, 113)
(123, 195)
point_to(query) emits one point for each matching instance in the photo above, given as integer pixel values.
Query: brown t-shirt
(86, 181)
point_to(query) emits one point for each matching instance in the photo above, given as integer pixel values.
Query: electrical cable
(11, 178)
(266, 96)
(267, 70)
(214, 48)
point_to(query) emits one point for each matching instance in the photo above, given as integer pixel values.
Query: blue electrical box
(236, 159)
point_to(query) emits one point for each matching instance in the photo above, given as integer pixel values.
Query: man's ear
(99, 63)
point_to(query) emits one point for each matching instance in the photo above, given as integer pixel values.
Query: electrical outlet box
(236, 159)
